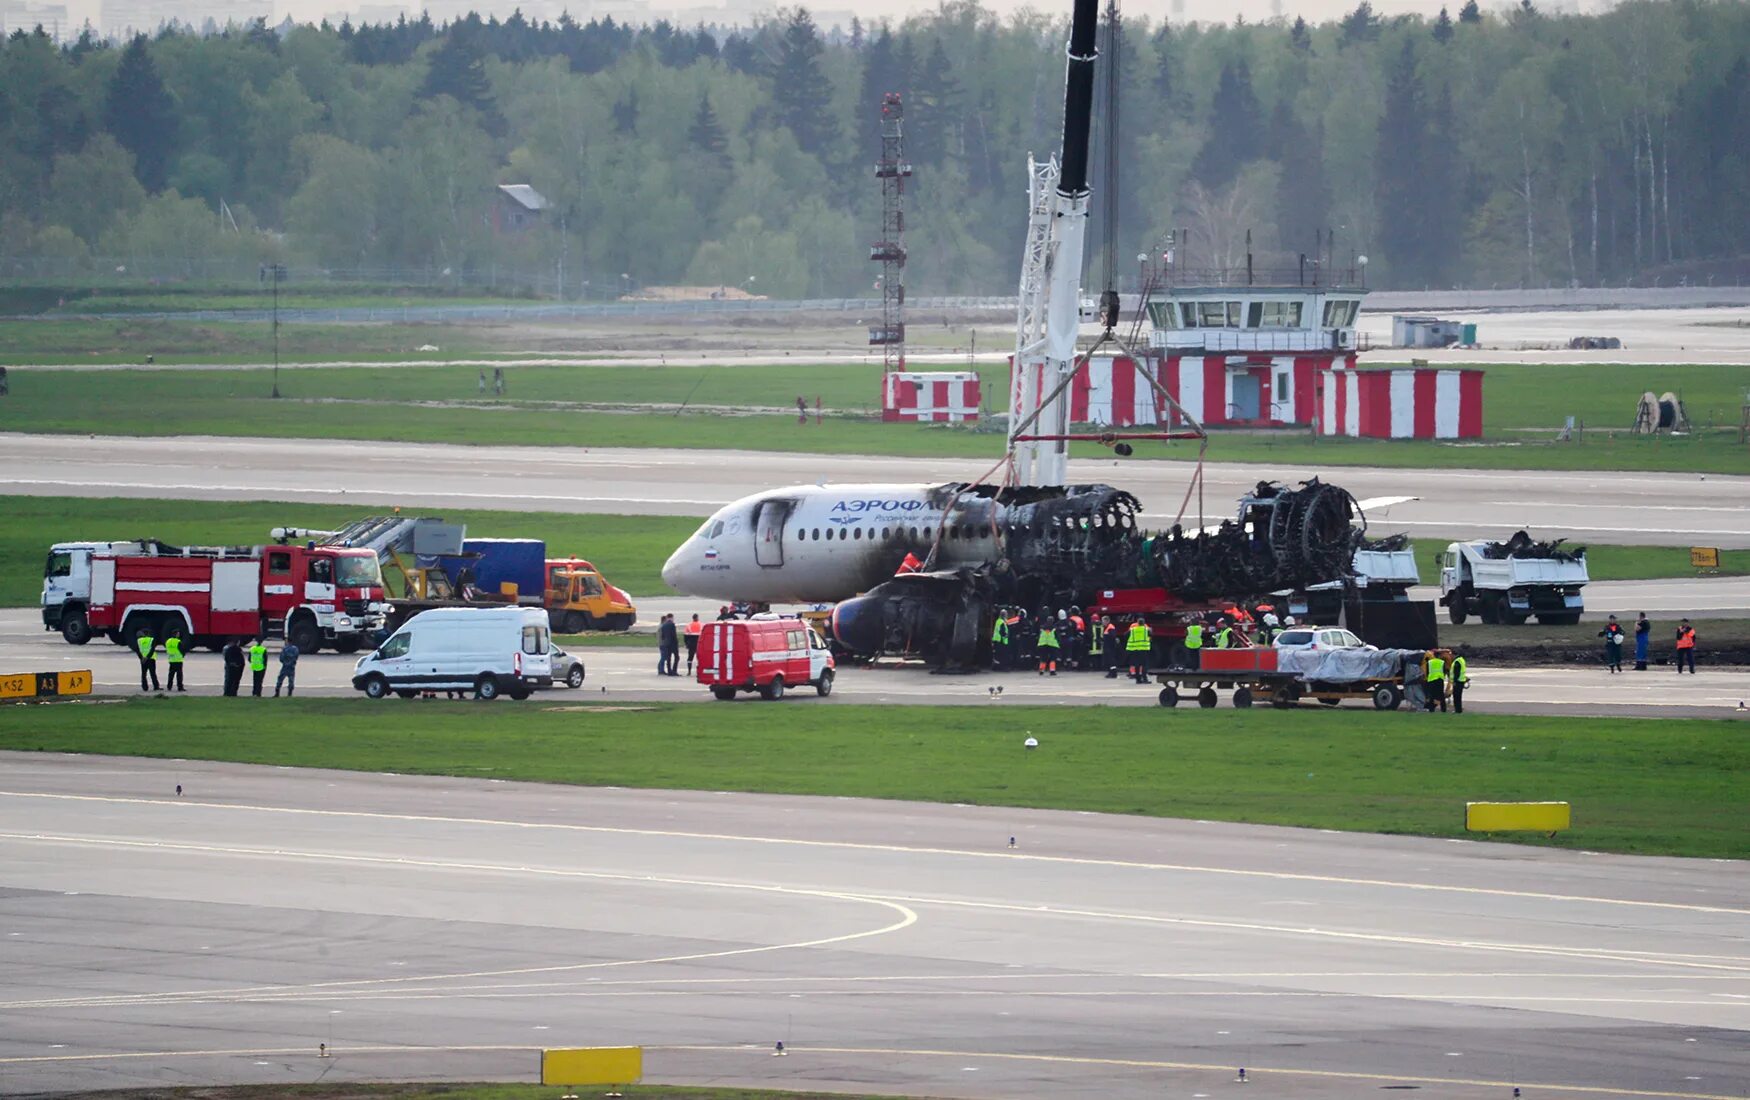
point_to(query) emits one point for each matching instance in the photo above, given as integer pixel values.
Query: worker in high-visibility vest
(258, 663)
(1224, 634)
(173, 656)
(1137, 646)
(1109, 645)
(1685, 647)
(1047, 644)
(1434, 690)
(1460, 677)
(1193, 643)
(999, 641)
(146, 644)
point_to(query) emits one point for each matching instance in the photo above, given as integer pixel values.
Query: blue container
(522, 562)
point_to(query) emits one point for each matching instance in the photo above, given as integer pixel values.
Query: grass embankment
(629, 550)
(442, 404)
(1674, 787)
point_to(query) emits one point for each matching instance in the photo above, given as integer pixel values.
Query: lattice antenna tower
(892, 170)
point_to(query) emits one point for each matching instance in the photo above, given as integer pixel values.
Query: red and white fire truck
(313, 595)
(766, 653)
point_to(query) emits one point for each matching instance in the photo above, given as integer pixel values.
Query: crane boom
(1051, 274)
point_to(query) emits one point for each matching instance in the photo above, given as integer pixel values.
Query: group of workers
(1443, 679)
(1614, 639)
(1044, 641)
(236, 657)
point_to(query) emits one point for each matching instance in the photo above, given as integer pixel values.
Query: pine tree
(1163, 80)
(1360, 25)
(1404, 229)
(626, 113)
(1470, 13)
(1442, 193)
(458, 70)
(1303, 195)
(936, 112)
(1443, 28)
(1300, 35)
(706, 133)
(1235, 129)
(881, 74)
(801, 93)
(141, 114)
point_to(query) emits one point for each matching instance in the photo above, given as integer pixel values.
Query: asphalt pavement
(437, 928)
(1635, 508)
(628, 674)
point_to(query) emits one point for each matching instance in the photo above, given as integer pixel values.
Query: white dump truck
(1508, 582)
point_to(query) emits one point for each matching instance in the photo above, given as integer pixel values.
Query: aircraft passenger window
(914, 534)
(817, 534)
(886, 534)
(857, 533)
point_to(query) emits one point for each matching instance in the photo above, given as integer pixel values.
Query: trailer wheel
(723, 692)
(1242, 697)
(774, 690)
(486, 689)
(823, 686)
(1387, 697)
(1283, 698)
(1206, 698)
(376, 687)
(75, 627)
(305, 634)
(1169, 696)
(1455, 612)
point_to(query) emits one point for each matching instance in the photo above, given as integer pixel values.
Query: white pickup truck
(1476, 579)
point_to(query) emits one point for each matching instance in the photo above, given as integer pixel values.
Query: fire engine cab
(313, 595)
(766, 653)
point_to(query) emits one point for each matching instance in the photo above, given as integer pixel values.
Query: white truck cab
(67, 584)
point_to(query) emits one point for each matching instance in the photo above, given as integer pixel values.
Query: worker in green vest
(1460, 677)
(1435, 690)
(1136, 647)
(146, 644)
(258, 663)
(1193, 643)
(1224, 634)
(1047, 644)
(173, 655)
(1096, 643)
(999, 641)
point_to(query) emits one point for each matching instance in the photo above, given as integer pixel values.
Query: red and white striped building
(934, 396)
(1408, 403)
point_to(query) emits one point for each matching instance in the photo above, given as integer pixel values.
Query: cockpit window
(716, 530)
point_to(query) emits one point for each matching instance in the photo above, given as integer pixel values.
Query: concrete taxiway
(622, 674)
(1616, 507)
(442, 928)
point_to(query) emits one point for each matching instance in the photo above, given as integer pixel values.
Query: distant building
(516, 208)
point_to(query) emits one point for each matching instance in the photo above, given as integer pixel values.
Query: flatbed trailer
(1281, 689)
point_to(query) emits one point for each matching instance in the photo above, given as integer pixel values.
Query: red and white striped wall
(1413, 403)
(936, 396)
(1112, 393)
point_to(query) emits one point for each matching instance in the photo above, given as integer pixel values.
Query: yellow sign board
(1508, 817)
(593, 1066)
(45, 685)
(1704, 557)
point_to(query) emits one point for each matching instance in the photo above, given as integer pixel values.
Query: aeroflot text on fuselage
(878, 505)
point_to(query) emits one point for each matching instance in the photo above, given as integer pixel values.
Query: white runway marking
(919, 850)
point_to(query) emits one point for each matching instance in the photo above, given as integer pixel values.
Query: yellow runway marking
(1288, 876)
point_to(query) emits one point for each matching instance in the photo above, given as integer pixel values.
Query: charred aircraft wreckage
(1051, 547)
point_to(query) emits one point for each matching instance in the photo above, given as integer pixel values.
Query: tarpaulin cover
(1345, 665)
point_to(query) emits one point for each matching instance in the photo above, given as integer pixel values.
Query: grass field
(629, 550)
(91, 340)
(1674, 787)
(441, 404)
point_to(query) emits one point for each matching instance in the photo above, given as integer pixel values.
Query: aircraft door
(768, 527)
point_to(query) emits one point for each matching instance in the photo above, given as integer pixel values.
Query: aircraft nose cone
(671, 569)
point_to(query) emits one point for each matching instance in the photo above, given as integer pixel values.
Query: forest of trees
(1478, 148)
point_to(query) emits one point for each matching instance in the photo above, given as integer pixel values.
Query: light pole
(277, 273)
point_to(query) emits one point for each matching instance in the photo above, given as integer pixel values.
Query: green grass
(198, 342)
(629, 550)
(371, 403)
(1672, 787)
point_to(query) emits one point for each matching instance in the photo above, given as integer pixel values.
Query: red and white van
(766, 653)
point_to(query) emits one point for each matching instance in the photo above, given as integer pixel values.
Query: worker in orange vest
(1685, 647)
(691, 638)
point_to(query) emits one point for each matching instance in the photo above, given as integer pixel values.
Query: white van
(489, 651)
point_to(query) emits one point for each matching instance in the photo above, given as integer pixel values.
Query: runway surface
(1617, 507)
(618, 674)
(444, 928)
